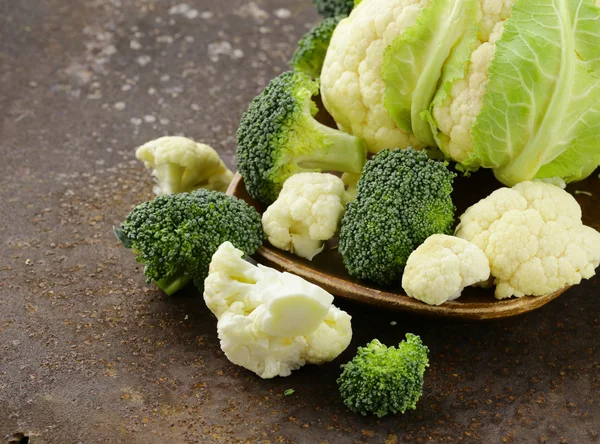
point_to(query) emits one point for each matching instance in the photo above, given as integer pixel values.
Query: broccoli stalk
(338, 151)
(172, 285)
(382, 380)
(278, 137)
(175, 235)
(312, 47)
(403, 198)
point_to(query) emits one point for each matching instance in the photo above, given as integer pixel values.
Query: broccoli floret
(312, 47)
(278, 137)
(331, 8)
(403, 198)
(382, 380)
(175, 235)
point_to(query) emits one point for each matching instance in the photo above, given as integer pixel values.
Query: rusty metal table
(90, 354)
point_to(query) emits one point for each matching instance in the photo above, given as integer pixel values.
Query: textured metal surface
(89, 353)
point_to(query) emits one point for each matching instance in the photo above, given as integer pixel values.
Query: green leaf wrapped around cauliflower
(523, 97)
(534, 238)
(385, 60)
(270, 322)
(181, 165)
(441, 267)
(307, 213)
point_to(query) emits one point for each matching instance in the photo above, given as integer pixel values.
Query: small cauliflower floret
(181, 165)
(534, 239)
(440, 268)
(307, 212)
(270, 322)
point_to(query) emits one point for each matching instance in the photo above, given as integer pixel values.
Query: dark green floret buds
(331, 8)
(381, 380)
(278, 137)
(312, 47)
(175, 235)
(403, 198)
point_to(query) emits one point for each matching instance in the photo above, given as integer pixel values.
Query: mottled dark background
(89, 353)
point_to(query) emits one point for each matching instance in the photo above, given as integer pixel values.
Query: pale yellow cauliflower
(440, 268)
(270, 322)
(457, 114)
(307, 213)
(181, 165)
(534, 239)
(351, 84)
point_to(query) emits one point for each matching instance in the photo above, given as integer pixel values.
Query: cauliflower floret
(534, 239)
(270, 322)
(440, 268)
(307, 212)
(351, 84)
(180, 165)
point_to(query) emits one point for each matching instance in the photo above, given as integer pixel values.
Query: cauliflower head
(521, 97)
(181, 165)
(307, 212)
(441, 267)
(352, 87)
(270, 322)
(534, 239)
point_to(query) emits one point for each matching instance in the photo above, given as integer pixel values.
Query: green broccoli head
(331, 8)
(382, 380)
(278, 137)
(312, 47)
(403, 198)
(175, 235)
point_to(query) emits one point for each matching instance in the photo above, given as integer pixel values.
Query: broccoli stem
(341, 152)
(173, 284)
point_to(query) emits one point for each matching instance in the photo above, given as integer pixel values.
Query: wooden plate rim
(495, 309)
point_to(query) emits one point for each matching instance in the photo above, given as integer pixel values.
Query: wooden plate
(327, 269)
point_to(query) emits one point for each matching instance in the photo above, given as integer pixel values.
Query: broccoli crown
(382, 380)
(331, 8)
(176, 235)
(312, 47)
(279, 137)
(403, 198)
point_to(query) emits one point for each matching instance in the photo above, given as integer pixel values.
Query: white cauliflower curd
(307, 213)
(534, 239)
(351, 84)
(180, 165)
(270, 322)
(440, 268)
(457, 113)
